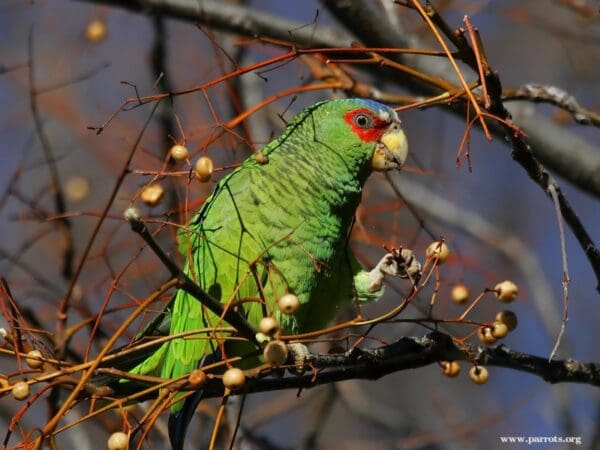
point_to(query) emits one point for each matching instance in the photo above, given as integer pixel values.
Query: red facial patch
(367, 134)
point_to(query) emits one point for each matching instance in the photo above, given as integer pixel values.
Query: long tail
(180, 420)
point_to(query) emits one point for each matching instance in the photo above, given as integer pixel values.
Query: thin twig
(540, 93)
(565, 266)
(465, 85)
(64, 305)
(64, 224)
(68, 403)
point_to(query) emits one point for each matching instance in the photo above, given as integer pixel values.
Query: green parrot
(279, 224)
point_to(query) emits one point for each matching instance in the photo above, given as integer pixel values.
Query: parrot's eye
(363, 121)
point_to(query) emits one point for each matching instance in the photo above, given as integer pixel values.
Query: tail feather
(180, 420)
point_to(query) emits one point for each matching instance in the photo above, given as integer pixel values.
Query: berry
(289, 304)
(234, 378)
(499, 330)
(118, 441)
(197, 378)
(20, 390)
(268, 325)
(450, 368)
(485, 335)
(276, 353)
(179, 153)
(439, 251)
(506, 291)
(478, 374)
(203, 168)
(459, 293)
(77, 188)
(33, 359)
(95, 31)
(152, 194)
(508, 318)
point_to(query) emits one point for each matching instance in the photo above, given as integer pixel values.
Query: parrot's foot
(400, 263)
(298, 355)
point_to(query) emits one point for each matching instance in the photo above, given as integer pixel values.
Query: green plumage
(278, 227)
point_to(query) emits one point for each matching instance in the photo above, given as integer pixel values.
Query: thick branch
(539, 93)
(552, 144)
(364, 19)
(524, 155)
(414, 352)
(235, 19)
(406, 353)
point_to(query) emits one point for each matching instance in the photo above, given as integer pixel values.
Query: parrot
(279, 224)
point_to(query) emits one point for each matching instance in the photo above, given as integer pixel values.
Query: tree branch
(373, 28)
(184, 282)
(234, 19)
(540, 93)
(411, 353)
(516, 251)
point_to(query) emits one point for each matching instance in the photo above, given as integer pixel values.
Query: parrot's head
(367, 127)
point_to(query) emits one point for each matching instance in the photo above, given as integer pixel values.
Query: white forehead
(388, 115)
(384, 115)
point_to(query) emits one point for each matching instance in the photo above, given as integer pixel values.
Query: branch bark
(552, 144)
(411, 353)
(374, 29)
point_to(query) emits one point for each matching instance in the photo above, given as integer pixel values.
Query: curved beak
(391, 150)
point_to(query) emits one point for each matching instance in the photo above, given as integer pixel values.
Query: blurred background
(66, 66)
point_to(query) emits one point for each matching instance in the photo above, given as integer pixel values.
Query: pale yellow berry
(118, 441)
(20, 390)
(459, 293)
(268, 326)
(152, 194)
(508, 318)
(499, 330)
(203, 168)
(275, 353)
(478, 374)
(77, 293)
(506, 291)
(33, 359)
(95, 31)
(261, 158)
(485, 335)
(439, 251)
(450, 368)
(179, 153)
(197, 378)
(77, 189)
(234, 378)
(4, 383)
(289, 304)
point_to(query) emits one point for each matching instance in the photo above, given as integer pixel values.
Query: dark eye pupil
(361, 121)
